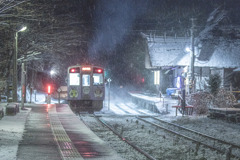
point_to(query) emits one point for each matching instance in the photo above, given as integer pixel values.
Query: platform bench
(233, 117)
(12, 109)
(188, 109)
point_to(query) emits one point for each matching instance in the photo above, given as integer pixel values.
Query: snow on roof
(170, 51)
(225, 55)
(166, 51)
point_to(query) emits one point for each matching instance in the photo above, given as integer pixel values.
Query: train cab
(86, 89)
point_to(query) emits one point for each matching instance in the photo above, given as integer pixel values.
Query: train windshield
(74, 79)
(85, 80)
(97, 79)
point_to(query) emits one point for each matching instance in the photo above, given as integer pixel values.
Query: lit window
(85, 80)
(97, 79)
(156, 77)
(74, 79)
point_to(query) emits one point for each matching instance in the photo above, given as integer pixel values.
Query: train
(85, 87)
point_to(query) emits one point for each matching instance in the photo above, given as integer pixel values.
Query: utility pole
(23, 86)
(192, 60)
(15, 73)
(25, 78)
(14, 89)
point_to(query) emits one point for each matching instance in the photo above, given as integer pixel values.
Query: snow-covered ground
(11, 132)
(120, 113)
(159, 143)
(12, 127)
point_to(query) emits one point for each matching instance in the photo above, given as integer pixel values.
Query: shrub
(214, 83)
(200, 101)
(223, 99)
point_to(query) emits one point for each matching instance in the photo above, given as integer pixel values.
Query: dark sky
(107, 32)
(113, 26)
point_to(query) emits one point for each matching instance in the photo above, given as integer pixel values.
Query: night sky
(101, 32)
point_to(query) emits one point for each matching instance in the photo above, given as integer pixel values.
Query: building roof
(164, 51)
(225, 55)
(170, 51)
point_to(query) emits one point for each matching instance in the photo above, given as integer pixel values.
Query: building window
(157, 77)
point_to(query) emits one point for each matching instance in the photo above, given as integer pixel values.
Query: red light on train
(72, 70)
(86, 68)
(98, 70)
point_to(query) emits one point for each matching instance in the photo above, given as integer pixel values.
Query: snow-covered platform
(153, 103)
(49, 131)
(77, 135)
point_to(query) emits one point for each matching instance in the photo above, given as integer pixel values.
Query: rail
(125, 139)
(191, 139)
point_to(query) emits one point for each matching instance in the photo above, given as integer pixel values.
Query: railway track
(116, 134)
(231, 150)
(125, 139)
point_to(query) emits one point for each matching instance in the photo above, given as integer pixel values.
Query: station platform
(154, 103)
(51, 131)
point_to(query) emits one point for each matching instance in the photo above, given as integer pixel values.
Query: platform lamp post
(15, 78)
(109, 81)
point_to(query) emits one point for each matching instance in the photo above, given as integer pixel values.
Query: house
(168, 59)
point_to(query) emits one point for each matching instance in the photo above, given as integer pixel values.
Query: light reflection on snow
(116, 110)
(40, 98)
(128, 109)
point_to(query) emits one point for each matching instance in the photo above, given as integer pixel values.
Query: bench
(188, 109)
(12, 108)
(233, 117)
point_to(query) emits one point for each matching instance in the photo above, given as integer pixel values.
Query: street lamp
(52, 72)
(15, 78)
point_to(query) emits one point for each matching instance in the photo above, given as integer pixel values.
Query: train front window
(85, 80)
(97, 79)
(74, 79)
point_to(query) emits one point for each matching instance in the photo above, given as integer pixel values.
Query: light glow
(22, 29)
(52, 72)
(49, 89)
(86, 69)
(156, 77)
(178, 84)
(188, 49)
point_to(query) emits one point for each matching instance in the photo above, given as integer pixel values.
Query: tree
(214, 83)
